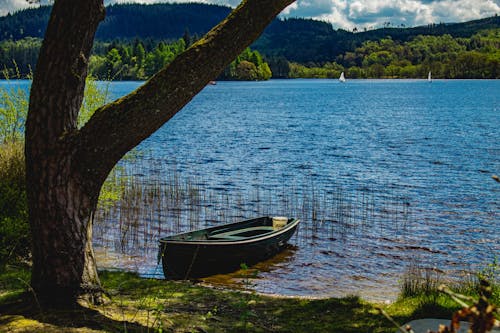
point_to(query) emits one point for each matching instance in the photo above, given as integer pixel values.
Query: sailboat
(342, 77)
(429, 77)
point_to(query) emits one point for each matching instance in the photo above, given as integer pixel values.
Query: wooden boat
(222, 249)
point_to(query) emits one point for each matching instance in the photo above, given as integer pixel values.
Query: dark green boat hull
(223, 249)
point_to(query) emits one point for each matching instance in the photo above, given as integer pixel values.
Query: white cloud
(464, 10)
(10, 6)
(348, 14)
(290, 9)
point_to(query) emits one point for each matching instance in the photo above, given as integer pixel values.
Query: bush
(13, 110)
(14, 229)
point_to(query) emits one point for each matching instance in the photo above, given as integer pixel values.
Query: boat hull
(194, 259)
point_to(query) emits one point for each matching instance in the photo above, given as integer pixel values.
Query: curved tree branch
(119, 126)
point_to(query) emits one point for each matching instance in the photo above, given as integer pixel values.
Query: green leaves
(95, 96)
(248, 66)
(13, 111)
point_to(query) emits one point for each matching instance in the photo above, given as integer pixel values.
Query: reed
(155, 199)
(419, 280)
(424, 283)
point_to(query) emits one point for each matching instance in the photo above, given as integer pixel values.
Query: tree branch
(59, 81)
(119, 126)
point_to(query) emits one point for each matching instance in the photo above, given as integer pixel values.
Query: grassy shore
(149, 305)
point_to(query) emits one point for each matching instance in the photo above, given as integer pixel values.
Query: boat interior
(234, 232)
(240, 234)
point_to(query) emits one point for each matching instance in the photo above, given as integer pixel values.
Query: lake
(386, 176)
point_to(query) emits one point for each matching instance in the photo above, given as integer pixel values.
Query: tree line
(477, 57)
(447, 57)
(129, 60)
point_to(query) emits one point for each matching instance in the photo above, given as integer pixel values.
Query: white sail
(429, 77)
(342, 77)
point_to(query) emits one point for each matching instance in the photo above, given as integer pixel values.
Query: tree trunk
(66, 167)
(63, 265)
(60, 201)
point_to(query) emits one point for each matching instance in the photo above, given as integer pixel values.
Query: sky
(350, 14)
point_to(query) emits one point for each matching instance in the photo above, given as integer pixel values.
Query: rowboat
(224, 248)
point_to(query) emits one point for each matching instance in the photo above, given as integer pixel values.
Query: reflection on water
(381, 173)
(245, 278)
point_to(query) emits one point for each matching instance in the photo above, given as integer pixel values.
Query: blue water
(436, 146)
(429, 149)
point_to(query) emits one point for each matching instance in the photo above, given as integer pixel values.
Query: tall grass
(419, 280)
(424, 283)
(166, 202)
(14, 229)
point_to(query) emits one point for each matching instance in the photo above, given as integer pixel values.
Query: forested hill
(159, 21)
(300, 40)
(125, 21)
(303, 40)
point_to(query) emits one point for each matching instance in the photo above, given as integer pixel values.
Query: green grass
(149, 305)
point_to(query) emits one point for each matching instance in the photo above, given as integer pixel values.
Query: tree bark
(66, 167)
(59, 202)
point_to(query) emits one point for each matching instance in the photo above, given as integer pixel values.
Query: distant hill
(126, 21)
(299, 40)
(159, 21)
(303, 40)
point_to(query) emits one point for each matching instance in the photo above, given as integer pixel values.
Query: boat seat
(226, 237)
(234, 234)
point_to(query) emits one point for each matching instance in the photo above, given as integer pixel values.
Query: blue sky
(348, 14)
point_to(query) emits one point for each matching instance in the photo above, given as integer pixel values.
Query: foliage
(279, 67)
(140, 59)
(13, 110)
(18, 57)
(248, 66)
(477, 57)
(447, 57)
(136, 60)
(327, 71)
(14, 230)
(94, 97)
